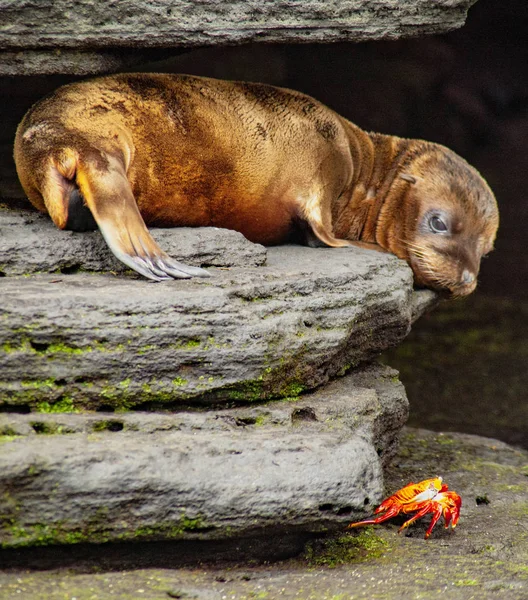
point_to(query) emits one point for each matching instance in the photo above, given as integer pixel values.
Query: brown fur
(169, 150)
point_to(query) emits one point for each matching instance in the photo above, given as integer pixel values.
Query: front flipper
(109, 197)
(328, 239)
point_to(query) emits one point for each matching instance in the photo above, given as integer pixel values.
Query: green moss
(7, 347)
(4, 439)
(25, 345)
(145, 349)
(465, 582)
(39, 534)
(212, 343)
(445, 440)
(186, 344)
(346, 549)
(124, 395)
(246, 391)
(63, 348)
(108, 425)
(165, 530)
(40, 384)
(294, 388)
(8, 431)
(190, 344)
(343, 370)
(118, 394)
(45, 427)
(64, 405)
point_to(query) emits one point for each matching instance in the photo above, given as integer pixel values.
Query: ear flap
(407, 177)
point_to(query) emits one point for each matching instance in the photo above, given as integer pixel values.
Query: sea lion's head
(451, 221)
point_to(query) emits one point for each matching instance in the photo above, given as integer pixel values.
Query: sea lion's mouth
(462, 289)
(431, 275)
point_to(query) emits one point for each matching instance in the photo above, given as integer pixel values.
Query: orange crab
(428, 496)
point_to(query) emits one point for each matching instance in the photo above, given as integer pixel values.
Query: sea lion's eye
(437, 224)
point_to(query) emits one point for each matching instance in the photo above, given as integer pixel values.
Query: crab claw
(428, 496)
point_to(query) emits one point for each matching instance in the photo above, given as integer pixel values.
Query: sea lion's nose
(467, 277)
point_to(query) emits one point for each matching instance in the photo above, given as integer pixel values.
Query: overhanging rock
(81, 36)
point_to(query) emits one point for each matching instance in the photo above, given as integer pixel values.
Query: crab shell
(428, 496)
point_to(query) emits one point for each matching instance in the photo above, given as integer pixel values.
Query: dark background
(465, 365)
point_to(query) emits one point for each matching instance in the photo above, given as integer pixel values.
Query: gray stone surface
(291, 467)
(30, 243)
(46, 36)
(83, 340)
(484, 558)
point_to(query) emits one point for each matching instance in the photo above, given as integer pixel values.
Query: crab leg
(428, 496)
(428, 508)
(392, 512)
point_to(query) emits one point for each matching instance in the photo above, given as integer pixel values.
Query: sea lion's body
(268, 162)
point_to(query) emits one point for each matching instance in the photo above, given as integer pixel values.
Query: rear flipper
(108, 196)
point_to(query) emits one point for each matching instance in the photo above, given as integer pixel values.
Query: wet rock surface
(106, 342)
(484, 558)
(293, 467)
(81, 37)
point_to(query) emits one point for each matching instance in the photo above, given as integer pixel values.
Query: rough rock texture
(63, 36)
(291, 466)
(485, 558)
(70, 341)
(29, 243)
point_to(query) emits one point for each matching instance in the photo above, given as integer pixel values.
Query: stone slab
(111, 342)
(64, 36)
(485, 557)
(293, 467)
(30, 243)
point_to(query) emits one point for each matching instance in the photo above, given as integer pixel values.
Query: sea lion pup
(175, 150)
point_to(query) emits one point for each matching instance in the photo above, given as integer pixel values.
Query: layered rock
(106, 342)
(81, 37)
(80, 344)
(484, 557)
(294, 467)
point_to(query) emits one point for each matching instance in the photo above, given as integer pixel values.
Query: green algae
(465, 582)
(346, 549)
(245, 391)
(5, 439)
(64, 405)
(39, 534)
(192, 343)
(108, 425)
(260, 420)
(174, 530)
(125, 394)
(65, 349)
(292, 389)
